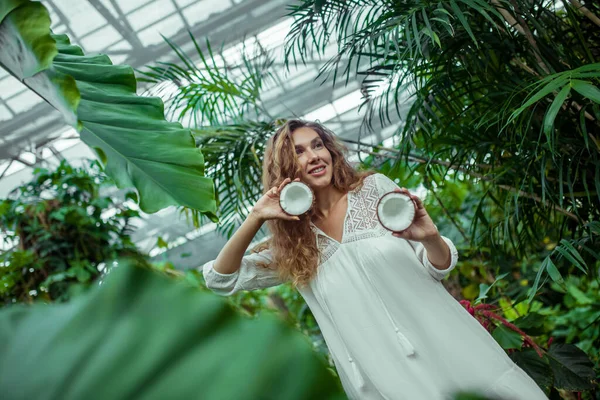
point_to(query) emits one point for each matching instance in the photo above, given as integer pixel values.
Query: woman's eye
(318, 145)
(299, 151)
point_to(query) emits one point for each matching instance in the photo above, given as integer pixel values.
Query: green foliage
(18, 35)
(558, 367)
(128, 132)
(207, 93)
(154, 338)
(61, 233)
(577, 318)
(536, 367)
(564, 367)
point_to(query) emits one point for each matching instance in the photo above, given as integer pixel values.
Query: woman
(392, 329)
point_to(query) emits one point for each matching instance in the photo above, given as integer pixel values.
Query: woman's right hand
(268, 207)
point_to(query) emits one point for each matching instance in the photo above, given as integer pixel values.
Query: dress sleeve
(250, 276)
(421, 253)
(386, 185)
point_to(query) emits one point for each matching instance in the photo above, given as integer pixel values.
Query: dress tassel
(406, 345)
(360, 382)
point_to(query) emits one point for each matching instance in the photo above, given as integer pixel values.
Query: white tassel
(360, 382)
(406, 345)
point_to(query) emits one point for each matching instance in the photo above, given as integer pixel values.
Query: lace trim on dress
(327, 247)
(361, 221)
(362, 218)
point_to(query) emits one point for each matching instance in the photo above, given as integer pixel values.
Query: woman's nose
(311, 155)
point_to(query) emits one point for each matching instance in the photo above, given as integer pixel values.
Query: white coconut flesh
(396, 211)
(296, 198)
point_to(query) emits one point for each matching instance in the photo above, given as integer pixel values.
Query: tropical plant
(128, 132)
(61, 234)
(143, 335)
(503, 93)
(210, 91)
(577, 318)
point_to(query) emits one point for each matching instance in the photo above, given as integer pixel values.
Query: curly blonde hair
(293, 245)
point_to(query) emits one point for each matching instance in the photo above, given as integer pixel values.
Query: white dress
(393, 330)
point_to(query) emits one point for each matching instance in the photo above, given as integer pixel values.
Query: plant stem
(530, 38)
(508, 17)
(581, 8)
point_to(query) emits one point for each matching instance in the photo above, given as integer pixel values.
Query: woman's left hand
(422, 227)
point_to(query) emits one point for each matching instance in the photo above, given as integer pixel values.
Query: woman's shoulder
(374, 179)
(365, 178)
(376, 182)
(364, 182)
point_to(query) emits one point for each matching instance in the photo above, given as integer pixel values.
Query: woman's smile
(318, 171)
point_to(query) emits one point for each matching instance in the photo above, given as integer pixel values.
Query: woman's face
(315, 159)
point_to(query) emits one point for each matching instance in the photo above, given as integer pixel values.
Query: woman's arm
(438, 252)
(230, 258)
(232, 271)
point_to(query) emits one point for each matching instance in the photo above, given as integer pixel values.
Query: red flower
(467, 305)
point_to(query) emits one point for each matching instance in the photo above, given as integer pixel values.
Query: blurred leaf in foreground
(142, 335)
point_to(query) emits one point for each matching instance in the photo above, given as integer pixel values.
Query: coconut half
(296, 198)
(396, 211)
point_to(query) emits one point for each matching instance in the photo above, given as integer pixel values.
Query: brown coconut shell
(379, 202)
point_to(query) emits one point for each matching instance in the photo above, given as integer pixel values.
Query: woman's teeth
(314, 171)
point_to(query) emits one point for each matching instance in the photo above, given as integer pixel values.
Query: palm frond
(205, 89)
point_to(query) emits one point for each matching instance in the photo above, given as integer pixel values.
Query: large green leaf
(27, 47)
(142, 335)
(586, 89)
(572, 368)
(9, 5)
(129, 132)
(554, 107)
(536, 367)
